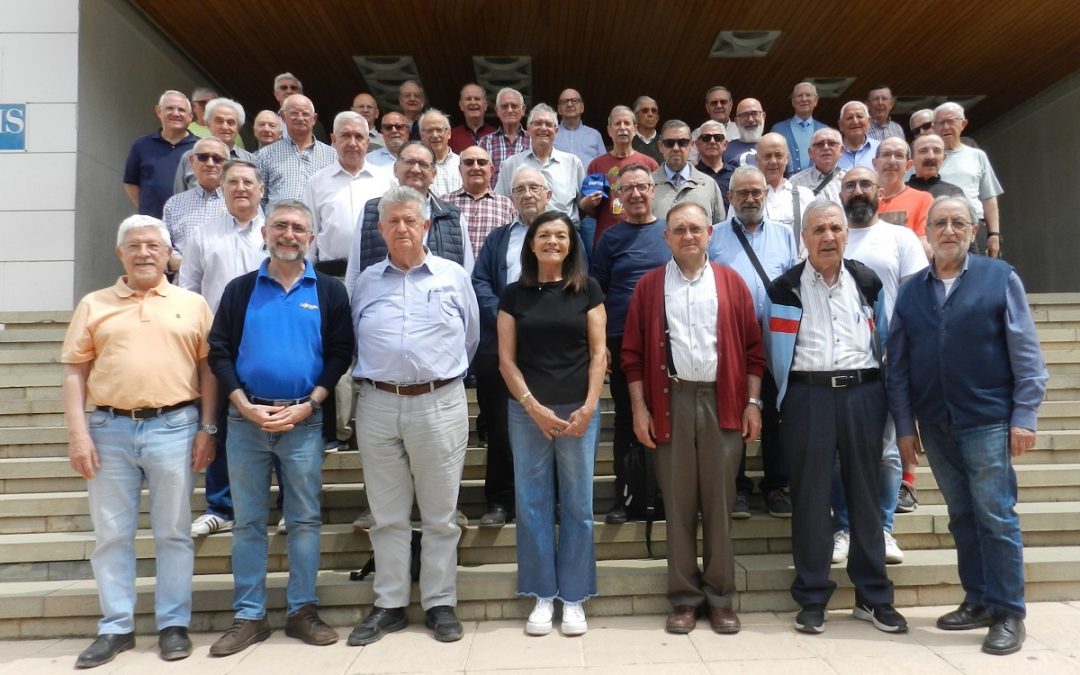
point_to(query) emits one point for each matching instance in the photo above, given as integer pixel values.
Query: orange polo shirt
(145, 348)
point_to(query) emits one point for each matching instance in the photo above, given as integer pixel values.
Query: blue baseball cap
(595, 182)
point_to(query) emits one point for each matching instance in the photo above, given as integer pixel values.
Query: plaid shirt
(285, 168)
(500, 147)
(186, 211)
(483, 214)
(880, 132)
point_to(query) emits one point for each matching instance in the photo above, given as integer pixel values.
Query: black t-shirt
(552, 338)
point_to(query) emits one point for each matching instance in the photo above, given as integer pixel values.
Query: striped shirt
(447, 175)
(186, 211)
(834, 333)
(484, 213)
(285, 168)
(880, 132)
(500, 147)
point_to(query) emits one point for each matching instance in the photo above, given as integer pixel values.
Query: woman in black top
(552, 356)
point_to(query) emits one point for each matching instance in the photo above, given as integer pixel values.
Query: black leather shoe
(496, 516)
(966, 617)
(616, 516)
(376, 624)
(174, 643)
(104, 648)
(444, 623)
(1006, 636)
(811, 619)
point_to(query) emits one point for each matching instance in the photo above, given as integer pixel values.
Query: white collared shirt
(218, 252)
(336, 199)
(834, 333)
(447, 175)
(691, 307)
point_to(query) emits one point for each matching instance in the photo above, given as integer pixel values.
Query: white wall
(1035, 152)
(38, 66)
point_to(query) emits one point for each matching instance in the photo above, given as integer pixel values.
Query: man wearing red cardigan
(693, 363)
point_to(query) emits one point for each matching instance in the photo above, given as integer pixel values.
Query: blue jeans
(973, 468)
(587, 230)
(546, 569)
(159, 450)
(892, 473)
(251, 453)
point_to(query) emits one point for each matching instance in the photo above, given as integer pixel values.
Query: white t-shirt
(892, 251)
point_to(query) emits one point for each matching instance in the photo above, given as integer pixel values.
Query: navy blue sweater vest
(444, 238)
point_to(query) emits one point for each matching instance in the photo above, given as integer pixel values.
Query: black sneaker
(778, 504)
(906, 501)
(884, 617)
(740, 510)
(378, 622)
(811, 619)
(616, 516)
(444, 623)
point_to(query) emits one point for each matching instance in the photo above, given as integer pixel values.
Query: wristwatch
(315, 405)
(755, 401)
(211, 429)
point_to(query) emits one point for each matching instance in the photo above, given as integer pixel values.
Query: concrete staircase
(47, 588)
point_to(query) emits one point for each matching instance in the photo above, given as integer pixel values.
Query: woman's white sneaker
(539, 622)
(573, 619)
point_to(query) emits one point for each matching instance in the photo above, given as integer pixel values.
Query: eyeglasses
(531, 188)
(475, 161)
(749, 114)
(299, 115)
(720, 103)
(865, 185)
(958, 224)
(435, 130)
(648, 111)
(209, 157)
(923, 127)
(670, 143)
(570, 101)
(395, 127)
(825, 144)
(947, 122)
(897, 155)
(712, 138)
(417, 163)
(756, 193)
(695, 231)
(509, 106)
(202, 102)
(134, 248)
(627, 190)
(282, 228)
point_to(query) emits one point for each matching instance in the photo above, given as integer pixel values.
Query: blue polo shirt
(281, 352)
(624, 253)
(151, 164)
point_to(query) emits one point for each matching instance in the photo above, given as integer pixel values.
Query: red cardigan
(738, 346)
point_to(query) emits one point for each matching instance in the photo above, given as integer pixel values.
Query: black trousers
(820, 425)
(772, 455)
(624, 416)
(491, 395)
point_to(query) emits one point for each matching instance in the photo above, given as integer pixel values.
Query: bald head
(772, 157)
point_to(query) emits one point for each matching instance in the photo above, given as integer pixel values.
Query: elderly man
(973, 380)
(784, 201)
(824, 175)
(677, 180)
(624, 253)
(479, 205)
(267, 128)
(510, 138)
(447, 235)
(395, 132)
(281, 339)
(718, 102)
(647, 138)
(608, 210)
(472, 102)
(894, 254)
(226, 118)
(799, 129)
(575, 136)
(759, 248)
(921, 122)
(693, 359)
(200, 97)
(286, 166)
(969, 169)
(929, 152)
(831, 397)
(742, 150)
(859, 148)
(411, 98)
(711, 142)
(880, 102)
(563, 171)
(286, 85)
(338, 193)
(435, 133)
(138, 352)
(152, 161)
(187, 211)
(899, 204)
(498, 265)
(417, 327)
(368, 107)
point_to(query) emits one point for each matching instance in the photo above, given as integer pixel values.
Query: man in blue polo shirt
(281, 338)
(152, 161)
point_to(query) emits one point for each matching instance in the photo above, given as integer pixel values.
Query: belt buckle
(134, 413)
(282, 403)
(839, 381)
(397, 389)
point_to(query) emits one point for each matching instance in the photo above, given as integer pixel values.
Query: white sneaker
(841, 542)
(540, 619)
(893, 554)
(208, 524)
(282, 528)
(573, 619)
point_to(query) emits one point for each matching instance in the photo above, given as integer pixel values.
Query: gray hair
(212, 106)
(403, 194)
(542, 109)
(289, 76)
(822, 204)
(620, 109)
(207, 140)
(741, 171)
(173, 92)
(641, 99)
(941, 201)
(135, 222)
(950, 106)
(203, 91)
(674, 124)
(921, 111)
(434, 111)
(525, 168)
(349, 116)
(718, 87)
(809, 84)
(510, 90)
(826, 131)
(289, 205)
(866, 110)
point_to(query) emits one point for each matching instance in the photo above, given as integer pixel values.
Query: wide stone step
(1036, 482)
(39, 609)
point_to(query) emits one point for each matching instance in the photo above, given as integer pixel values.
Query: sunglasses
(706, 138)
(206, 157)
(395, 127)
(923, 127)
(475, 161)
(670, 143)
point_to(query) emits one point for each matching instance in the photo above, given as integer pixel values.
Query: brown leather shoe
(681, 620)
(306, 625)
(241, 634)
(724, 620)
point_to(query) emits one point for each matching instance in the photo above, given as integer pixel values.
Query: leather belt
(144, 413)
(835, 378)
(409, 389)
(257, 400)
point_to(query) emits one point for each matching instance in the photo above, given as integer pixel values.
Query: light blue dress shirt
(774, 245)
